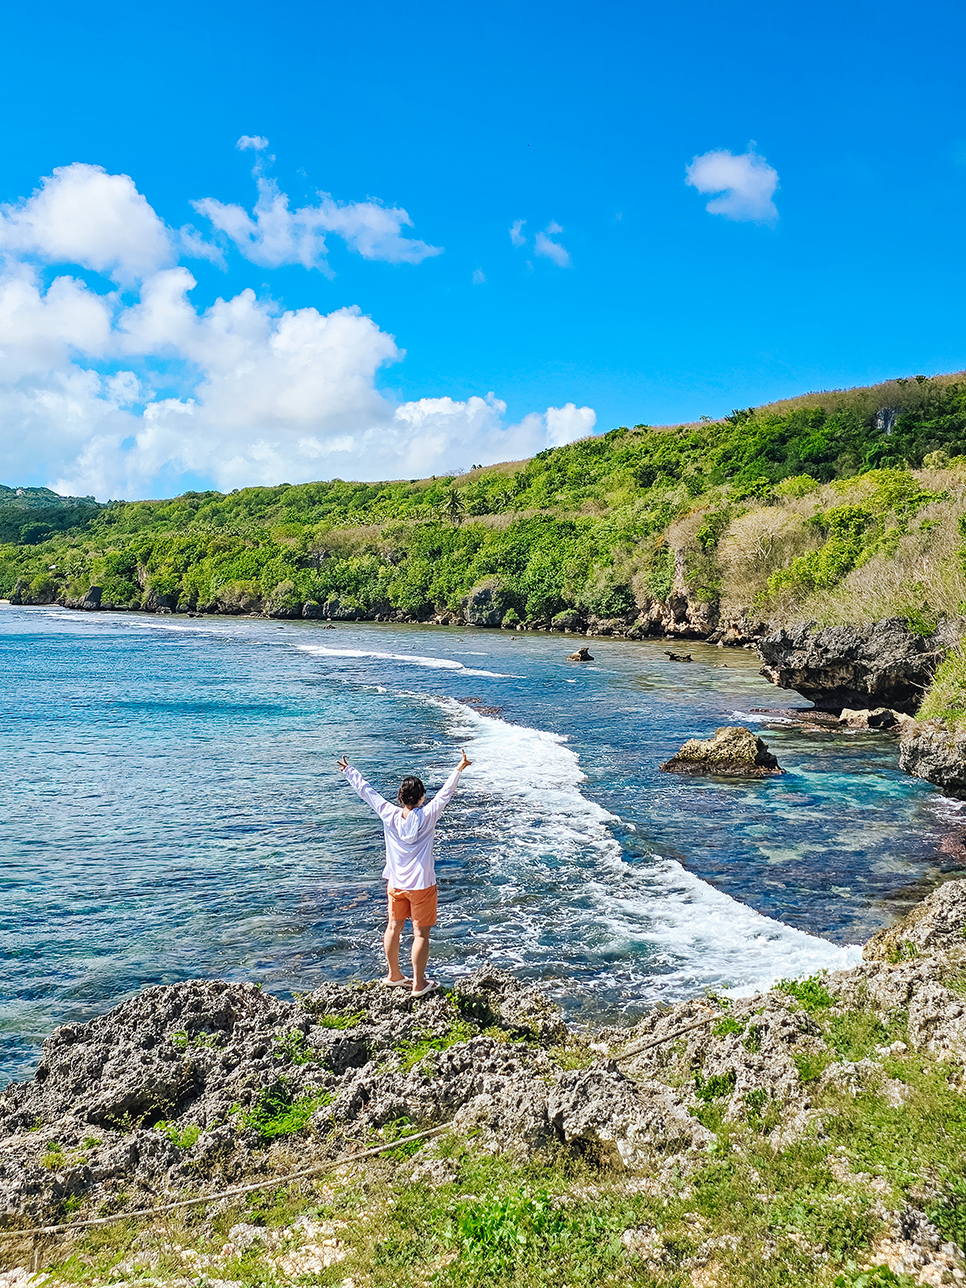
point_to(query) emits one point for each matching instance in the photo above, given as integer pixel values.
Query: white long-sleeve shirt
(409, 837)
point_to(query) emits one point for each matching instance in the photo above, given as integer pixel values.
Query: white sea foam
(414, 659)
(568, 904)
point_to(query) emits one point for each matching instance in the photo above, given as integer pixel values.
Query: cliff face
(935, 751)
(881, 664)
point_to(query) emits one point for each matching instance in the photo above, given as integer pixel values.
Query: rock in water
(733, 752)
(883, 664)
(582, 655)
(877, 718)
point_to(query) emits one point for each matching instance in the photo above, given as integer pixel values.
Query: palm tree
(452, 507)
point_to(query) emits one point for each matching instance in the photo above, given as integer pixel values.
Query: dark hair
(411, 792)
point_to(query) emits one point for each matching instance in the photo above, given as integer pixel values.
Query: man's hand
(464, 763)
(344, 764)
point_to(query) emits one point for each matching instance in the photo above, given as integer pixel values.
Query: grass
(420, 1053)
(811, 992)
(277, 1113)
(339, 1020)
(946, 698)
(184, 1137)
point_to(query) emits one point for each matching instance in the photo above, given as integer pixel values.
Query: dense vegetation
(596, 528)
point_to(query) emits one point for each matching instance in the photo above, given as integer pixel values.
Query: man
(409, 829)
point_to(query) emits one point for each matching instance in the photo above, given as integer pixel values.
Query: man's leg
(390, 942)
(420, 955)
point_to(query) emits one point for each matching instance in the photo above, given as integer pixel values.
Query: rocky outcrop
(192, 1087)
(883, 664)
(876, 718)
(90, 602)
(935, 751)
(581, 655)
(483, 606)
(934, 927)
(733, 752)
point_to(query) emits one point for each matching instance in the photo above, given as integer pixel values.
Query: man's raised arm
(369, 794)
(443, 797)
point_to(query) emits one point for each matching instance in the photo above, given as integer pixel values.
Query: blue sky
(643, 307)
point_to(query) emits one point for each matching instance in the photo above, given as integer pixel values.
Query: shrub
(811, 992)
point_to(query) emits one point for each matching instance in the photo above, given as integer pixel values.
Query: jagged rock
(877, 718)
(883, 664)
(336, 611)
(90, 602)
(933, 926)
(678, 657)
(638, 1120)
(733, 752)
(313, 611)
(935, 751)
(568, 621)
(495, 996)
(483, 606)
(581, 655)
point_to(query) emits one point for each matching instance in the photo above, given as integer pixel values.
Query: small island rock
(582, 655)
(733, 752)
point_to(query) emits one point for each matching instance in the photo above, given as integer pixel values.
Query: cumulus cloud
(516, 232)
(83, 215)
(747, 184)
(125, 393)
(544, 245)
(273, 234)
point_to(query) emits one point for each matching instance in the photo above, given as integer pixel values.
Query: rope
(308, 1171)
(224, 1194)
(676, 1033)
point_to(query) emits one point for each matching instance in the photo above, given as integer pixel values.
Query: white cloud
(83, 215)
(747, 183)
(479, 277)
(252, 141)
(543, 245)
(101, 394)
(274, 234)
(516, 234)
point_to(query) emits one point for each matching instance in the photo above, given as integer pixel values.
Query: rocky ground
(197, 1087)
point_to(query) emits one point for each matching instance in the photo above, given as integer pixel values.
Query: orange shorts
(418, 905)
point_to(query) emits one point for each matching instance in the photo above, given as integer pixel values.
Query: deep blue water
(171, 808)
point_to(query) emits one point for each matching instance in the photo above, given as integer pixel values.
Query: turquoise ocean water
(170, 808)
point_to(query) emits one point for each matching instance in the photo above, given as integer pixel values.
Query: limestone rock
(935, 751)
(581, 655)
(484, 605)
(876, 718)
(883, 664)
(733, 752)
(495, 996)
(637, 1121)
(934, 926)
(90, 602)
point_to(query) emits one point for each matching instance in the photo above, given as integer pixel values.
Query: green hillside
(29, 515)
(770, 511)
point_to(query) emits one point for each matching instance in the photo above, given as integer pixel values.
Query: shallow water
(170, 808)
